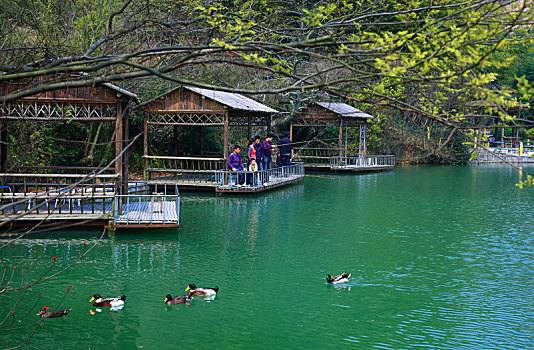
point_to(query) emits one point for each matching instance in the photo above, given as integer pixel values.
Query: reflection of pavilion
(203, 108)
(344, 117)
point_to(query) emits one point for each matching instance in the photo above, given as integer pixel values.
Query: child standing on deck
(253, 167)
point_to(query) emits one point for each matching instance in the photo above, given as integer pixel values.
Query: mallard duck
(193, 290)
(113, 302)
(179, 299)
(55, 313)
(343, 278)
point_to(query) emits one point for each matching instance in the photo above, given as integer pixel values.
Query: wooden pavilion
(321, 115)
(59, 194)
(198, 107)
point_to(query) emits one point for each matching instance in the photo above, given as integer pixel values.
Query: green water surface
(441, 258)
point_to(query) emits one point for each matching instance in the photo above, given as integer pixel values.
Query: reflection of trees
(17, 286)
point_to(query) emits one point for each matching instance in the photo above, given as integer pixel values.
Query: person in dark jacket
(235, 163)
(285, 150)
(267, 152)
(259, 152)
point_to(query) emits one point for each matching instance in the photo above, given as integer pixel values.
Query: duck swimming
(343, 278)
(113, 302)
(44, 313)
(179, 299)
(193, 290)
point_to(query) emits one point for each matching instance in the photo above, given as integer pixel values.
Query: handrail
(77, 176)
(182, 158)
(149, 209)
(357, 162)
(250, 181)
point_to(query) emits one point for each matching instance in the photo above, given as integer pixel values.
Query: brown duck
(44, 313)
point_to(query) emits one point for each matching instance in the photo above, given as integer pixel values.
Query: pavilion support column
(118, 149)
(365, 140)
(340, 141)
(360, 148)
(126, 155)
(249, 131)
(3, 146)
(226, 136)
(291, 132)
(145, 146)
(269, 124)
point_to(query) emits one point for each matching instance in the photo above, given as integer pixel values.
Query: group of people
(260, 155)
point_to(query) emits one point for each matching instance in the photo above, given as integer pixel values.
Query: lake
(441, 258)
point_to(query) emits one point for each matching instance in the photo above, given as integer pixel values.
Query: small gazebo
(198, 107)
(321, 115)
(64, 192)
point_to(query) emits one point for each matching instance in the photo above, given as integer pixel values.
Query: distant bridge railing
(356, 162)
(251, 181)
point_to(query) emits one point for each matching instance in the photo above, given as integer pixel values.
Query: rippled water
(441, 258)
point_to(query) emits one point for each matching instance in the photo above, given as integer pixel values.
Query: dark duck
(179, 299)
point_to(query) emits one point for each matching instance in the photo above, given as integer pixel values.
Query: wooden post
(126, 156)
(360, 142)
(118, 149)
(365, 140)
(3, 146)
(291, 132)
(145, 145)
(226, 132)
(269, 125)
(340, 140)
(249, 131)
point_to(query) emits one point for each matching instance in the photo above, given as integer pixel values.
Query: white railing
(356, 162)
(250, 181)
(148, 209)
(502, 155)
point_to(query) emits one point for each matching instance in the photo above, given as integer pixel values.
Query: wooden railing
(183, 169)
(316, 156)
